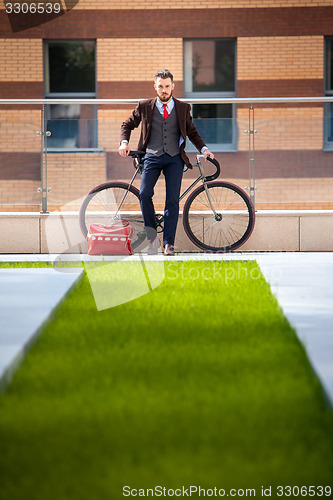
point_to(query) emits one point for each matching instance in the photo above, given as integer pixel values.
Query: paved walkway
(27, 298)
(302, 283)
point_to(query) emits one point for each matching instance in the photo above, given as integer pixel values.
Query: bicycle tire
(102, 203)
(229, 228)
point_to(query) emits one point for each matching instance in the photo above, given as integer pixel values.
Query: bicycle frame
(204, 179)
(129, 185)
(226, 211)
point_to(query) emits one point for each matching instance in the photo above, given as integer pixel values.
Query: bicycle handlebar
(207, 178)
(136, 154)
(215, 175)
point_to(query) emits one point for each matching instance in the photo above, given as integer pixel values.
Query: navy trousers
(172, 168)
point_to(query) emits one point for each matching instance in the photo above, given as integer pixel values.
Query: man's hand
(208, 153)
(124, 149)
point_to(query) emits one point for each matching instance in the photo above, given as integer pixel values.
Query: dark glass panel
(329, 69)
(72, 66)
(214, 122)
(213, 65)
(72, 126)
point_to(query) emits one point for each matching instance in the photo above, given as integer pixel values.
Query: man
(165, 124)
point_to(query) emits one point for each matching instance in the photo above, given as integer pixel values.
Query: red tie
(165, 111)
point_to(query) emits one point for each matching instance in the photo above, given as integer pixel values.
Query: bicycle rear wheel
(226, 229)
(111, 202)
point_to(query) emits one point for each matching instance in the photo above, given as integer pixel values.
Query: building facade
(215, 49)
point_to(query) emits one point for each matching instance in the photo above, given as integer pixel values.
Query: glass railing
(20, 159)
(280, 150)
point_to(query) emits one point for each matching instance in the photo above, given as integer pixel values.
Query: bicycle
(218, 216)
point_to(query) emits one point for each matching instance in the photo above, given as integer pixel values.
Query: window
(209, 71)
(328, 140)
(70, 72)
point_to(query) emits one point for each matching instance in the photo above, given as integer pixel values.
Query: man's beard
(165, 98)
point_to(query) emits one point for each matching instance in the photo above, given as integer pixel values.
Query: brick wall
(283, 128)
(290, 57)
(179, 23)
(279, 53)
(21, 60)
(72, 175)
(109, 122)
(124, 59)
(196, 4)
(18, 130)
(19, 195)
(19, 144)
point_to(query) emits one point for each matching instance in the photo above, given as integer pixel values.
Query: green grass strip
(202, 381)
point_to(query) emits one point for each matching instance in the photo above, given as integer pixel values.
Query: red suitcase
(114, 239)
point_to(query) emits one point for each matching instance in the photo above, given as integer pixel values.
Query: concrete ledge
(20, 232)
(281, 231)
(275, 231)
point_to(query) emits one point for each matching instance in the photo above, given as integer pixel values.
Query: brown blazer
(144, 113)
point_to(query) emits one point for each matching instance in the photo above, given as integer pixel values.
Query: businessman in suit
(165, 124)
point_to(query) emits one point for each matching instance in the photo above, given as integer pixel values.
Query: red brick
(184, 23)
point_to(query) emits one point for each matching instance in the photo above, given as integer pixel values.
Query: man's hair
(164, 73)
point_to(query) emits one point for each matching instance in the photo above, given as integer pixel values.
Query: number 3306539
(32, 8)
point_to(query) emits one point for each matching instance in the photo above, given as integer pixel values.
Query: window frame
(69, 95)
(328, 50)
(217, 147)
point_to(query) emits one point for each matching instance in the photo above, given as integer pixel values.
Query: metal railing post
(252, 177)
(44, 134)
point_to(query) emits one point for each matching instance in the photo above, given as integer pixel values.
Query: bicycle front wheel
(111, 202)
(220, 219)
